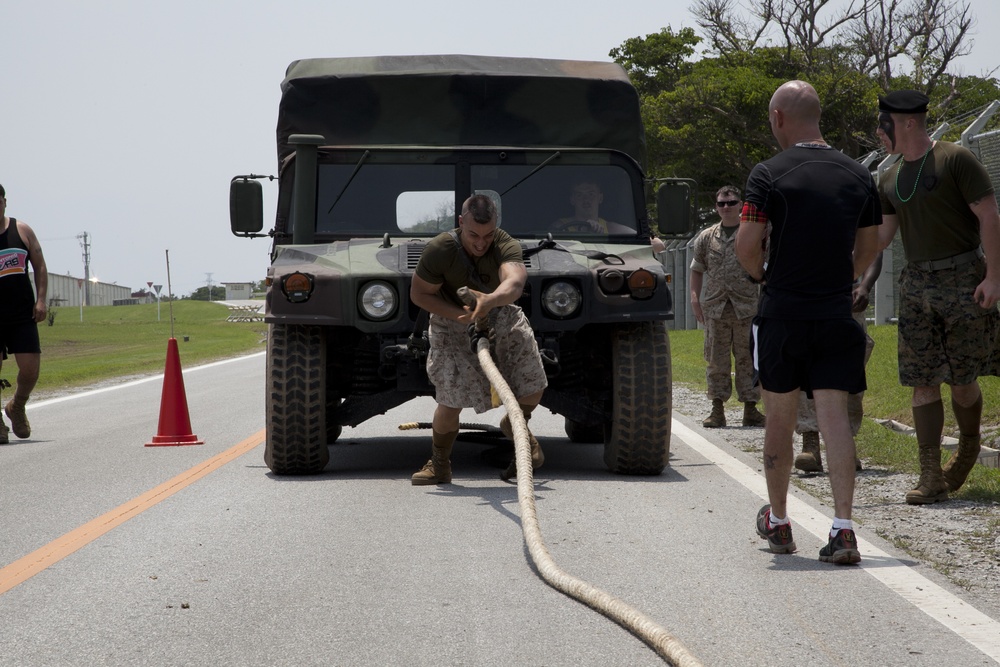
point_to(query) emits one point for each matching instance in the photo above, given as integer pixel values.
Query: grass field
(885, 399)
(117, 341)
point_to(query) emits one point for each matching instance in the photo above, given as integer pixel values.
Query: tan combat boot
(438, 469)
(961, 462)
(18, 419)
(751, 415)
(932, 487)
(718, 417)
(809, 460)
(537, 455)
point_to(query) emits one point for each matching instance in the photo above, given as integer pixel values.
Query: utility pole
(85, 243)
(208, 277)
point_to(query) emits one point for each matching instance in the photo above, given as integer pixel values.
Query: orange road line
(24, 568)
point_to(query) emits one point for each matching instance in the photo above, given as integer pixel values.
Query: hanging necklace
(919, 171)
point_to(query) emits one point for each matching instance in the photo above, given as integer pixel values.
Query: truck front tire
(296, 400)
(637, 440)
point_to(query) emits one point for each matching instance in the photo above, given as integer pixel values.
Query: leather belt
(949, 262)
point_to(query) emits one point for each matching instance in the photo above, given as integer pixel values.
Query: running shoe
(779, 539)
(842, 549)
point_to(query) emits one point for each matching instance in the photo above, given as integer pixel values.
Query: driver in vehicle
(586, 200)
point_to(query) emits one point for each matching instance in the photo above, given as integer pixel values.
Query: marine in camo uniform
(724, 299)
(489, 261)
(941, 199)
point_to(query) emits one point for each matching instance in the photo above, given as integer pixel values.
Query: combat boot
(931, 487)
(961, 462)
(751, 415)
(18, 419)
(809, 460)
(537, 455)
(438, 469)
(3, 433)
(718, 417)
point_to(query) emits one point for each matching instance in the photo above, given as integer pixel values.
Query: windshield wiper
(354, 173)
(532, 172)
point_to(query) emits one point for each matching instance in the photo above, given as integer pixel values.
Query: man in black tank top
(21, 309)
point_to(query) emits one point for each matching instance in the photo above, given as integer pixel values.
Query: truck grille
(413, 252)
(415, 248)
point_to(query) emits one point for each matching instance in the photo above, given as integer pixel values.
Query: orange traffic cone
(175, 423)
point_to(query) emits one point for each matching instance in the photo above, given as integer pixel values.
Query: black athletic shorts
(19, 338)
(809, 355)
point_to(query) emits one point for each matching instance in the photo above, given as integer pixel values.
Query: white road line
(958, 616)
(34, 405)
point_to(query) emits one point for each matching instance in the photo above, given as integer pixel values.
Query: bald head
(794, 112)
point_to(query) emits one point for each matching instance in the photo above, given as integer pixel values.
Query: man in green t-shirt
(941, 199)
(490, 263)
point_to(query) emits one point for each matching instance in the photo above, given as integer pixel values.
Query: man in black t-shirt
(823, 208)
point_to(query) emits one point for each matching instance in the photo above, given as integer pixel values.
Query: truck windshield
(577, 201)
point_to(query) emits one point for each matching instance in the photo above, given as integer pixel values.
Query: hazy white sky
(126, 120)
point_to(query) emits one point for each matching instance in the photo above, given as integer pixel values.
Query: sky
(126, 120)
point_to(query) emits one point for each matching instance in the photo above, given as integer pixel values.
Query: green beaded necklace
(916, 182)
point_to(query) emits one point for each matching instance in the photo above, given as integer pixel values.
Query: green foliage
(656, 62)
(441, 223)
(201, 294)
(121, 341)
(708, 119)
(712, 126)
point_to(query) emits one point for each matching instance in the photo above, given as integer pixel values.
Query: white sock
(840, 524)
(773, 521)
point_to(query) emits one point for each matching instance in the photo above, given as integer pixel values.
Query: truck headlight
(377, 300)
(561, 299)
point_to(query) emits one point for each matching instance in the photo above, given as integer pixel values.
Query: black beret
(904, 101)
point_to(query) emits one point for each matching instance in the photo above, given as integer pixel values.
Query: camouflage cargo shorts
(944, 335)
(454, 369)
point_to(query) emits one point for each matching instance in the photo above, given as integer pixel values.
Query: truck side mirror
(246, 206)
(675, 206)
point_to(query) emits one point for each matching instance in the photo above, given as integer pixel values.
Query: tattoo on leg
(769, 461)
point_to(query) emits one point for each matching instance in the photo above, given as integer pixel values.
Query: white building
(70, 291)
(238, 291)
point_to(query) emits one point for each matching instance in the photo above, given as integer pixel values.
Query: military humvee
(375, 157)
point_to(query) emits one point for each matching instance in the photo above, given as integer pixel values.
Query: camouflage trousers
(944, 335)
(725, 336)
(454, 370)
(807, 421)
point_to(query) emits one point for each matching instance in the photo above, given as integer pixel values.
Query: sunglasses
(728, 202)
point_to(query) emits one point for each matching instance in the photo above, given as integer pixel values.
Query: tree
(656, 62)
(201, 294)
(707, 119)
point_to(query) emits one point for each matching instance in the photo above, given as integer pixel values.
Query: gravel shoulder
(958, 538)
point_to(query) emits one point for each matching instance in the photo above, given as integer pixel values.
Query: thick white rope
(642, 626)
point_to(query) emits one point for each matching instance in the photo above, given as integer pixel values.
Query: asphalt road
(113, 553)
